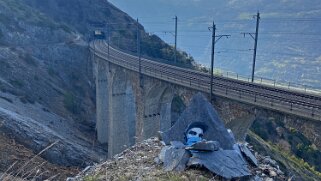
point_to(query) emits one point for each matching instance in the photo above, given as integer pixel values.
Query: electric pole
(108, 40)
(214, 41)
(175, 54)
(255, 38)
(139, 54)
(255, 44)
(138, 45)
(212, 59)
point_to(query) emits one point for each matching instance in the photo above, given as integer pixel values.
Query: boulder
(176, 159)
(248, 154)
(178, 144)
(200, 110)
(161, 155)
(205, 146)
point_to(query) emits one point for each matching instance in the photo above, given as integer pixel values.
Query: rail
(293, 102)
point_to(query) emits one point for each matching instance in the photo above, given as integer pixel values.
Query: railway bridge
(137, 97)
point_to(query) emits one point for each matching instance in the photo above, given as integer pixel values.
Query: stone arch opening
(159, 113)
(177, 108)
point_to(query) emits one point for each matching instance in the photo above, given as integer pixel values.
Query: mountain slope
(83, 15)
(46, 87)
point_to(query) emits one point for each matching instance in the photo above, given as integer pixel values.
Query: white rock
(272, 173)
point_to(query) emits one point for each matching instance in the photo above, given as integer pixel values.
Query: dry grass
(25, 172)
(19, 163)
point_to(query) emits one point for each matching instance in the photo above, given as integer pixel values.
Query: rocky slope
(93, 14)
(295, 168)
(294, 142)
(33, 125)
(45, 92)
(46, 88)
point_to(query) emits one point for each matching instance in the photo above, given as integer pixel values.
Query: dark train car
(98, 34)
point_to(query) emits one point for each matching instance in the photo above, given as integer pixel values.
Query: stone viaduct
(128, 112)
(136, 98)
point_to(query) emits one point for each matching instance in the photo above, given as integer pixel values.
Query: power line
(263, 35)
(278, 19)
(175, 58)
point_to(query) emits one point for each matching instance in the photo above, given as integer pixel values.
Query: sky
(289, 29)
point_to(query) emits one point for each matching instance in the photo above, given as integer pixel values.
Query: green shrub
(71, 103)
(7, 99)
(292, 130)
(27, 99)
(36, 78)
(28, 59)
(178, 105)
(91, 178)
(1, 34)
(4, 19)
(17, 83)
(4, 64)
(51, 71)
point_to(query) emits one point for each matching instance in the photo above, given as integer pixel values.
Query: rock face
(200, 110)
(66, 151)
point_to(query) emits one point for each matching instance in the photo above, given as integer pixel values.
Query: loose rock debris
(141, 163)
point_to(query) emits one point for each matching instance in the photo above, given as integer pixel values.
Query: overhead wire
(263, 34)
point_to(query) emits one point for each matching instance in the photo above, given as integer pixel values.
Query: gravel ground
(138, 163)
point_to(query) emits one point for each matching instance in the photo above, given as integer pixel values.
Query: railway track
(288, 101)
